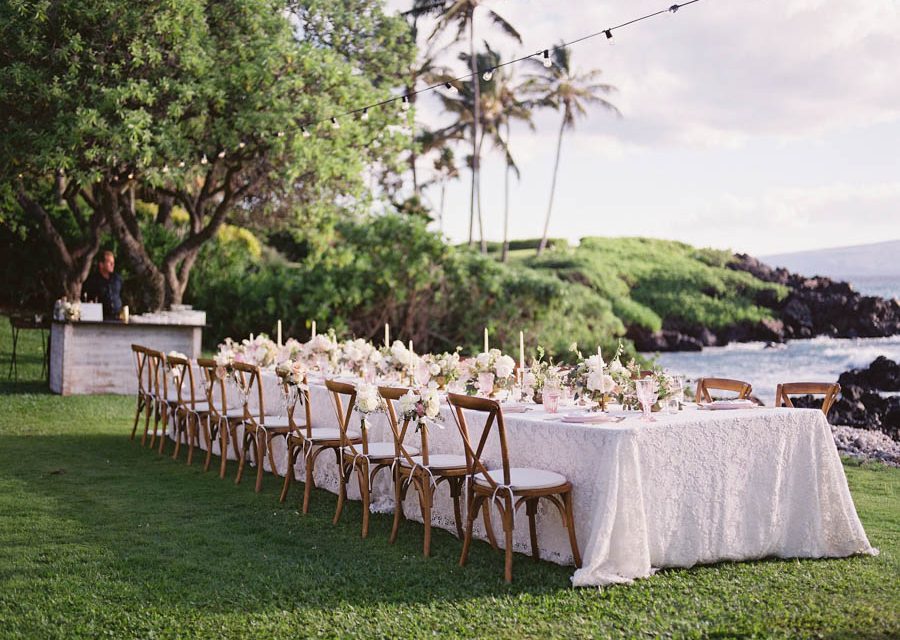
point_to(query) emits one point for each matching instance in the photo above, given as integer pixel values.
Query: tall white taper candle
(279, 333)
(387, 334)
(522, 351)
(486, 344)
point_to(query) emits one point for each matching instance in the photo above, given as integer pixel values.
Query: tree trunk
(543, 244)
(476, 114)
(505, 253)
(165, 204)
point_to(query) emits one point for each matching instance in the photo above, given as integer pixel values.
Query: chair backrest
(341, 391)
(829, 390)
(214, 383)
(474, 462)
(248, 377)
(156, 374)
(141, 368)
(183, 380)
(704, 385)
(392, 395)
(302, 396)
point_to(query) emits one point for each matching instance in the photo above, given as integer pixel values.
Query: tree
(196, 103)
(561, 88)
(461, 14)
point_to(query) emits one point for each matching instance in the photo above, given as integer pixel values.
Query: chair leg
(223, 449)
(289, 472)
(362, 472)
(137, 415)
(426, 497)
(191, 435)
(531, 510)
(148, 409)
(398, 504)
(157, 416)
(310, 479)
(570, 525)
(344, 477)
(455, 491)
(208, 437)
(488, 525)
(508, 534)
(270, 438)
(473, 503)
(260, 453)
(179, 425)
(165, 429)
(245, 452)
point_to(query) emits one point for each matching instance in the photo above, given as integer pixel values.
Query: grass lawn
(100, 538)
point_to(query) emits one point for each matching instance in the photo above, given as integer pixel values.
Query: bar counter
(90, 357)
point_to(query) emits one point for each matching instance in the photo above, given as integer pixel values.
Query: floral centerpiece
(359, 356)
(591, 379)
(444, 367)
(290, 351)
(260, 351)
(542, 373)
(420, 405)
(493, 365)
(398, 359)
(322, 351)
(66, 311)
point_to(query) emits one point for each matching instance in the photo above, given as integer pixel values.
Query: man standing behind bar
(105, 286)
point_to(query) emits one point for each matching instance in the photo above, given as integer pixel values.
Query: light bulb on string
(221, 154)
(280, 134)
(165, 168)
(487, 75)
(673, 8)
(405, 103)
(547, 61)
(305, 132)
(608, 34)
(241, 145)
(181, 165)
(365, 115)
(335, 124)
(203, 160)
(451, 87)
(131, 176)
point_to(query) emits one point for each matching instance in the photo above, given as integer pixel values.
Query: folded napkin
(727, 404)
(515, 407)
(587, 418)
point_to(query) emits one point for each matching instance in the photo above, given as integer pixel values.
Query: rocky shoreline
(815, 306)
(866, 445)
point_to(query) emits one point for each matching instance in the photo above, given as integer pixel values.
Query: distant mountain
(845, 263)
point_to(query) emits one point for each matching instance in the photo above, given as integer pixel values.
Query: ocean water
(883, 286)
(815, 360)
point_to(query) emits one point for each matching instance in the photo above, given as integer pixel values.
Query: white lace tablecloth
(693, 488)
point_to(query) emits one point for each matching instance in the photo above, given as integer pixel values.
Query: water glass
(551, 399)
(647, 394)
(485, 383)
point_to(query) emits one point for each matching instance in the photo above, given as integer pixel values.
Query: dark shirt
(105, 290)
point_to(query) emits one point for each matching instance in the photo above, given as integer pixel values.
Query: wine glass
(486, 383)
(551, 395)
(421, 373)
(647, 394)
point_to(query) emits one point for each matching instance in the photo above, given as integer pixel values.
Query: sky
(757, 126)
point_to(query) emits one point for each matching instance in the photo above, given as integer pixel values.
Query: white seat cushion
(275, 422)
(379, 450)
(438, 461)
(235, 412)
(198, 406)
(326, 433)
(522, 479)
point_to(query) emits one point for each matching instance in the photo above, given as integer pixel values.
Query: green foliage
(650, 282)
(102, 538)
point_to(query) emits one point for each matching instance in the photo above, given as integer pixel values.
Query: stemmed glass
(288, 398)
(485, 383)
(421, 374)
(647, 394)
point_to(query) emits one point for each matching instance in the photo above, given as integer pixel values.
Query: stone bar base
(95, 357)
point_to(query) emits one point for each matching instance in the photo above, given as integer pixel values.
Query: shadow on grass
(172, 534)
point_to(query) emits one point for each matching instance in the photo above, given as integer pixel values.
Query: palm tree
(461, 13)
(561, 88)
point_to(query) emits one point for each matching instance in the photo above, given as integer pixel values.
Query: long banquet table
(691, 488)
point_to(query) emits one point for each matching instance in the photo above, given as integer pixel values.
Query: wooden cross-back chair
(260, 428)
(422, 470)
(189, 412)
(357, 453)
(829, 390)
(705, 385)
(309, 441)
(509, 487)
(162, 408)
(145, 398)
(223, 420)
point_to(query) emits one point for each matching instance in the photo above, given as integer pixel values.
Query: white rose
(595, 363)
(595, 381)
(432, 403)
(504, 366)
(483, 360)
(407, 402)
(616, 367)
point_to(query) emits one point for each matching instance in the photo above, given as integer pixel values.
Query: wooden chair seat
(523, 479)
(437, 461)
(379, 451)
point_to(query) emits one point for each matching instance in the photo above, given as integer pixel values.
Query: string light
(181, 165)
(451, 87)
(203, 160)
(241, 145)
(608, 33)
(305, 132)
(405, 103)
(165, 168)
(335, 124)
(221, 154)
(280, 134)
(365, 114)
(487, 75)
(547, 61)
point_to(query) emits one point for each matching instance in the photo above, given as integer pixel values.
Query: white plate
(587, 418)
(727, 404)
